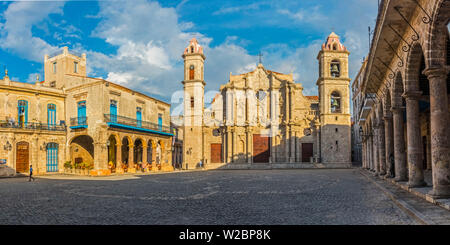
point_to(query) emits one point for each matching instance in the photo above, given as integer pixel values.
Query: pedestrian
(31, 173)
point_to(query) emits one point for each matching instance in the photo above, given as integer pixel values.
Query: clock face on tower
(191, 67)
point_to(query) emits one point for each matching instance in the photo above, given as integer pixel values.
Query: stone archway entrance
(22, 157)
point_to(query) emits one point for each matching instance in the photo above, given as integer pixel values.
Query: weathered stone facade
(72, 117)
(263, 116)
(405, 110)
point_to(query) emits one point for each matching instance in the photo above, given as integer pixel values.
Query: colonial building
(72, 118)
(263, 117)
(404, 112)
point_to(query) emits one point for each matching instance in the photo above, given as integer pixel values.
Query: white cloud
(16, 35)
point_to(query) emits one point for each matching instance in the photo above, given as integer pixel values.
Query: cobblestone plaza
(224, 197)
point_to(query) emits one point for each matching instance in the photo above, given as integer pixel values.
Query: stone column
(292, 142)
(119, 155)
(415, 152)
(229, 143)
(399, 145)
(440, 144)
(369, 152)
(131, 156)
(381, 147)
(100, 156)
(375, 154)
(389, 144)
(144, 154)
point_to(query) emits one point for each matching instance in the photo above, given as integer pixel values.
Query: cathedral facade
(263, 117)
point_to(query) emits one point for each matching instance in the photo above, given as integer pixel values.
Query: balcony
(137, 125)
(78, 122)
(32, 126)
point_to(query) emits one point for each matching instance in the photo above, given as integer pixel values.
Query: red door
(216, 153)
(307, 151)
(261, 148)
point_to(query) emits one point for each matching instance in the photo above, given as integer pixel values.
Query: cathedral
(263, 117)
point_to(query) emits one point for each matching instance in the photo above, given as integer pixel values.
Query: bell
(334, 68)
(335, 103)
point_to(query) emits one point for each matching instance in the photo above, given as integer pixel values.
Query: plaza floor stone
(258, 197)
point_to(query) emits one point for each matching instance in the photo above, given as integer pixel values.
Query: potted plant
(77, 168)
(89, 167)
(67, 166)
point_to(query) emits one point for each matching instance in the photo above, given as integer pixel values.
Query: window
(191, 72)
(192, 101)
(53, 84)
(113, 110)
(160, 122)
(54, 67)
(82, 113)
(51, 114)
(192, 49)
(75, 67)
(22, 107)
(335, 69)
(139, 116)
(335, 102)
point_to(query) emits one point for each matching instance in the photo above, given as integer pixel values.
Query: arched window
(335, 102)
(191, 72)
(192, 49)
(335, 68)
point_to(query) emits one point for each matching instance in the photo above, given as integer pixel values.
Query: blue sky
(138, 43)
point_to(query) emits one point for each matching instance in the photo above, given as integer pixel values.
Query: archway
(138, 150)
(125, 150)
(150, 152)
(437, 60)
(112, 152)
(82, 150)
(417, 94)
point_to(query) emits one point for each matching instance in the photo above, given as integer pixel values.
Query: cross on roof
(260, 55)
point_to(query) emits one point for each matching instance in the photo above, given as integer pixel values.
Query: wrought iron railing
(136, 123)
(32, 126)
(78, 121)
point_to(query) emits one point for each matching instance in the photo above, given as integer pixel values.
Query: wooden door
(22, 157)
(216, 153)
(307, 151)
(261, 148)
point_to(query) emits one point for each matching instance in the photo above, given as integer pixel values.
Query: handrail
(111, 118)
(32, 126)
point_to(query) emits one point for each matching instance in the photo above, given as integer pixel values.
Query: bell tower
(194, 87)
(334, 102)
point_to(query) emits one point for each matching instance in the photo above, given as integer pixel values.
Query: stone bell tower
(194, 87)
(334, 102)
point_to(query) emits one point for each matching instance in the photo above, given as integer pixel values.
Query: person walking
(31, 173)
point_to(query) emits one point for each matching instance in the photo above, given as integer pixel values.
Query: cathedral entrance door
(261, 148)
(307, 151)
(216, 153)
(22, 157)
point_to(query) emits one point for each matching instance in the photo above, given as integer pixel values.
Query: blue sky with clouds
(138, 43)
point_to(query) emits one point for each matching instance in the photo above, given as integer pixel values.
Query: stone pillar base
(417, 184)
(120, 171)
(440, 193)
(100, 172)
(131, 170)
(167, 168)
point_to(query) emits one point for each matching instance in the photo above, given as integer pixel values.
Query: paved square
(207, 197)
